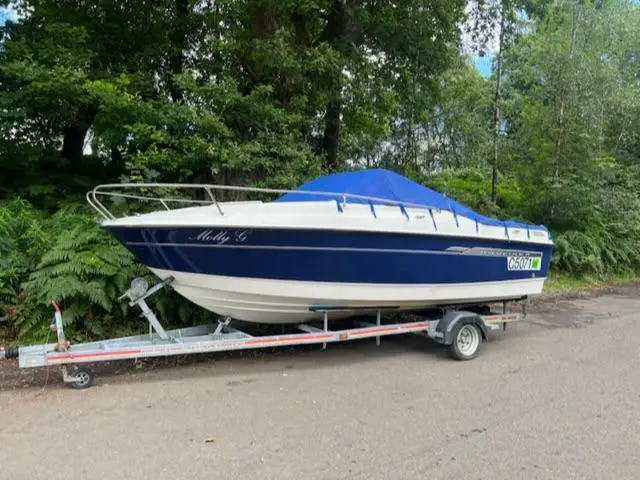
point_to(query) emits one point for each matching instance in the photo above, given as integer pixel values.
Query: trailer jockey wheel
(82, 378)
(467, 339)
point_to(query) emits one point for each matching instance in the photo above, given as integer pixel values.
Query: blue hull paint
(327, 256)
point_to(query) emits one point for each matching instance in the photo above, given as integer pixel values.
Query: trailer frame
(462, 330)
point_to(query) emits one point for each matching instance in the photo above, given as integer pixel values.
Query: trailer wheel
(82, 378)
(467, 339)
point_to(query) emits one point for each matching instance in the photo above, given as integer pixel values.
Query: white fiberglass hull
(288, 302)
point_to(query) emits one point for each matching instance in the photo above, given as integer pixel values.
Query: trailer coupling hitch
(9, 353)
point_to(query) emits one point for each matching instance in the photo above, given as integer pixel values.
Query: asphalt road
(554, 397)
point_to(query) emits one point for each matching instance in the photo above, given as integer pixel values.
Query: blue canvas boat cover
(387, 185)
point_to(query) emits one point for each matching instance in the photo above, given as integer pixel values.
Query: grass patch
(559, 282)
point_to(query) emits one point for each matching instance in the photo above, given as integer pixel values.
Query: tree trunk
(496, 107)
(178, 46)
(75, 134)
(331, 139)
(341, 31)
(562, 95)
(202, 175)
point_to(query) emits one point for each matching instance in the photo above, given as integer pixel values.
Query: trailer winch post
(138, 292)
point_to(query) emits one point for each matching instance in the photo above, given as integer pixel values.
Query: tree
(503, 19)
(51, 63)
(570, 110)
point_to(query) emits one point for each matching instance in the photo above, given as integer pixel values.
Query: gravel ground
(555, 396)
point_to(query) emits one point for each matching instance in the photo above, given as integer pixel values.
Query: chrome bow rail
(118, 191)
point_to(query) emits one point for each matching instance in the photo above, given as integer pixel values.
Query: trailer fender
(452, 318)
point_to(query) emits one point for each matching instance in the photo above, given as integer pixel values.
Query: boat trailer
(461, 330)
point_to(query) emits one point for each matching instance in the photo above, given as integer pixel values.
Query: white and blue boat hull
(269, 275)
(381, 241)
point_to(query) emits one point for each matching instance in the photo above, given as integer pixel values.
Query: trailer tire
(467, 339)
(83, 378)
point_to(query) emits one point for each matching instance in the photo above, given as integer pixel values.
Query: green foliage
(68, 259)
(471, 186)
(571, 139)
(597, 218)
(84, 270)
(563, 282)
(63, 258)
(423, 132)
(21, 241)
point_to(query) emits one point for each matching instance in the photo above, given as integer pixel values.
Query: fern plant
(22, 241)
(85, 270)
(577, 253)
(68, 258)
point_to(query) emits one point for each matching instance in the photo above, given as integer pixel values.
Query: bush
(594, 215)
(595, 218)
(472, 187)
(22, 239)
(70, 259)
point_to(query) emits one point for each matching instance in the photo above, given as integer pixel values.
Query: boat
(344, 242)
